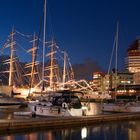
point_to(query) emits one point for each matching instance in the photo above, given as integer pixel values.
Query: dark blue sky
(83, 28)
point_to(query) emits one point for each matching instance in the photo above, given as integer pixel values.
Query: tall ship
(44, 71)
(57, 103)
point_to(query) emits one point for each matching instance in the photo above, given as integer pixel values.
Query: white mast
(11, 59)
(33, 60)
(116, 61)
(43, 50)
(52, 64)
(64, 69)
(44, 42)
(33, 63)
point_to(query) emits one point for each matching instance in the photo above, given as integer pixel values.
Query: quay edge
(37, 123)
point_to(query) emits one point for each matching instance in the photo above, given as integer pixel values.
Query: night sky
(83, 28)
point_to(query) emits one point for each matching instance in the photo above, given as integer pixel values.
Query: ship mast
(33, 60)
(44, 43)
(52, 64)
(116, 62)
(43, 50)
(116, 57)
(33, 63)
(11, 69)
(64, 69)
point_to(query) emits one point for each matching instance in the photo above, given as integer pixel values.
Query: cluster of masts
(39, 72)
(54, 74)
(58, 72)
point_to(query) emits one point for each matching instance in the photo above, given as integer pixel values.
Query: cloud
(86, 69)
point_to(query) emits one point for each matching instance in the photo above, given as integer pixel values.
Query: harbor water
(126, 130)
(120, 130)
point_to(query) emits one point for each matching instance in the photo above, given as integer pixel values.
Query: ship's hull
(9, 106)
(54, 111)
(9, 103)
(129, 107)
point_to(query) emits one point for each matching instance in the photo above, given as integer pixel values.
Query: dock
(9, 125)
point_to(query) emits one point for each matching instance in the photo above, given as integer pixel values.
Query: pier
(14, 125)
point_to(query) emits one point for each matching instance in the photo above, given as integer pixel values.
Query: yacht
(61, 104)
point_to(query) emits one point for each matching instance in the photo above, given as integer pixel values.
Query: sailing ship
(7, 99)
(35, 77)
(59, 103)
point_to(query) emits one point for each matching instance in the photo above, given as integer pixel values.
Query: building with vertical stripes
(133, 57)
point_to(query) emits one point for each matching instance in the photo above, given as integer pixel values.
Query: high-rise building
(133, 57)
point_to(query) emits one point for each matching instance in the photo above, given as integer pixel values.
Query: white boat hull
(54, 111)
(29, 113)
(112, 107)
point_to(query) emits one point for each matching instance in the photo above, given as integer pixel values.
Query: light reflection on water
(112, 131)
(123, 130)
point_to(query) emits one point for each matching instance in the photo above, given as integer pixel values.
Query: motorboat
(60, 104)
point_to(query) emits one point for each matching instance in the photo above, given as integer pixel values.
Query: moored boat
(27, 113)
(121, 107)
(66, 104)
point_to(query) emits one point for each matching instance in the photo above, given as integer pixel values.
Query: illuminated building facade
(125, 78)
(98, 80)
(121, 79)
(105, 82)
(133, 57)
(136, 78)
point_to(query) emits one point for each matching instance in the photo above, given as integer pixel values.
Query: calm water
(123, 130)
(112, 131)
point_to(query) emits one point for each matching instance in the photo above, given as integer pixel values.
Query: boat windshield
(75, 102)
(72, 101)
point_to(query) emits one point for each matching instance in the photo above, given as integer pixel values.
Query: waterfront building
(128, 90)
(120, 83)
(98, 81)
(123, 81)
(106, 82)
(136, 78)
(125, 78)
(130, 81)
(133, 57)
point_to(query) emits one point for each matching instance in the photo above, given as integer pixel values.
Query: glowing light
(84, 133)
